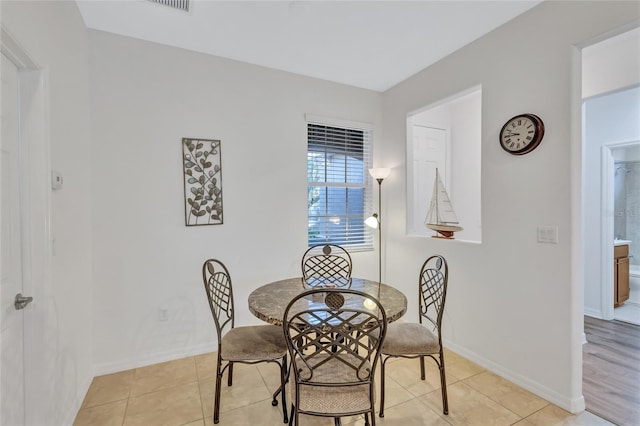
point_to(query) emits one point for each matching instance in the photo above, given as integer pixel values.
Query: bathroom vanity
(620, 272)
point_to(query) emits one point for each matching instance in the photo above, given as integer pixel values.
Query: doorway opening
(617, 294)
(610, 107)
(626, 231)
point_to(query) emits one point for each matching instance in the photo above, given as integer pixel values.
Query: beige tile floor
(180, 392)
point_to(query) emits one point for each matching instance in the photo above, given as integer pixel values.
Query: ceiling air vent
(176, 4)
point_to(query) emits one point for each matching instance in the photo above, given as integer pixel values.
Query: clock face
(521, 134)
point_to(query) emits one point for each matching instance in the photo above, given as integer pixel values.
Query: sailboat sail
(441, 216)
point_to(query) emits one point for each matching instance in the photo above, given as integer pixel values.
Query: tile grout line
(436, 412)
(547, 403)
(126, 407)
(200, 392)
(266, 385)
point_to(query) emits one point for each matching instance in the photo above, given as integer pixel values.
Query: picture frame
(202, 173)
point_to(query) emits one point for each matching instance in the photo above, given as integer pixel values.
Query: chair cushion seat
(409, 338)
(334, 399)
(254, 343)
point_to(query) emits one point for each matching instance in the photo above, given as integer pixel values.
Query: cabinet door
(616, 302)
(623, 279)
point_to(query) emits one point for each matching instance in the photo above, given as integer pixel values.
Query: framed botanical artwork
(202, 167)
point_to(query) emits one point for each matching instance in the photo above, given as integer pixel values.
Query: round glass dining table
(269, 301)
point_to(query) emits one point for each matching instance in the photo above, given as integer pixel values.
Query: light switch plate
(548, 234)
(56, 180)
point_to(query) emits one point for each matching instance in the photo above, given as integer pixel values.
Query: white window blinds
(339, 186)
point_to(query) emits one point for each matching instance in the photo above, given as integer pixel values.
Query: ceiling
(368, 44)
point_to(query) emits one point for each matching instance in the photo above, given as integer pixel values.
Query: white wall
(466, 143)
(611, 64)
(55, 37)
(145, 98)
(514, 305)
(631, 153)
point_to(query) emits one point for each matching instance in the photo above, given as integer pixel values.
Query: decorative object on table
(441, 217)
(201, 159)
(521, 134)
(334, 346)
(246, 345)
(324, 262)
(375, 220)
(415, 340)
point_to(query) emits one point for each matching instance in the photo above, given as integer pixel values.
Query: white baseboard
(573, 405)
(149, 359)
(595, 313)
(72, 411)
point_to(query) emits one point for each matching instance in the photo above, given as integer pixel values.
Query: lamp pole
(379, 230)
(375, 221)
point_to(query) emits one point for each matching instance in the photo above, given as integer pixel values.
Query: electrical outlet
(548, 234)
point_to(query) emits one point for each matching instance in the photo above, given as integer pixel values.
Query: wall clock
(521, 134)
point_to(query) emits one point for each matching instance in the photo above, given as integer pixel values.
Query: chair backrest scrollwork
(326, 261)
(334, 336)
(434, 276)
(217, 284)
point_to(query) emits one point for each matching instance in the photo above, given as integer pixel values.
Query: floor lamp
(375, 220)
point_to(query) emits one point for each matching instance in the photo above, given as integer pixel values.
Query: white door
(429, 153)
(12, 391)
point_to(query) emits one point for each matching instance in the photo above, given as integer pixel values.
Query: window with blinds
(339, 191)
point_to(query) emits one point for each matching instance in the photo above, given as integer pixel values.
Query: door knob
(22, 301)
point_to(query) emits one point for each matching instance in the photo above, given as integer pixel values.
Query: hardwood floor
(611, 370)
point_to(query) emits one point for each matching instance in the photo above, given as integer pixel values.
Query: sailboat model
(441, 217)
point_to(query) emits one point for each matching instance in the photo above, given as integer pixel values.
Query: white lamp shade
(372, 221)
(379, 173)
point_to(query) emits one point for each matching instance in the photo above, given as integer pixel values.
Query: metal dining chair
(417, 340)
(326, 261)
(334, 337)
(247, 345)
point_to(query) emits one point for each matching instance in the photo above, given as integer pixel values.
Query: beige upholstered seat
(334, 338)
(248, 345)
(410, 338)
(345, 399)
(266, 343)
(417, 340)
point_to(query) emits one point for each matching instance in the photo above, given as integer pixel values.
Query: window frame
(366, 244)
